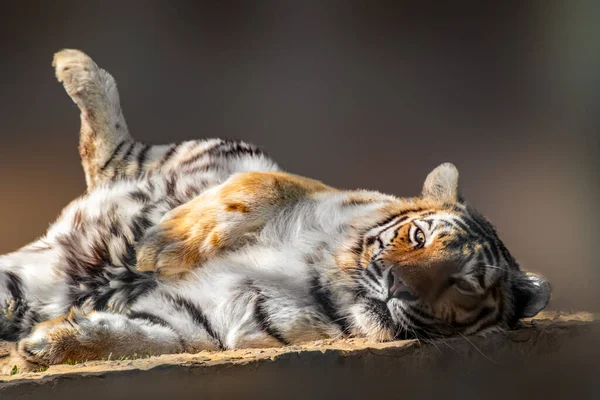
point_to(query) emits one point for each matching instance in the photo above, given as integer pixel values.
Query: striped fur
(206, 245)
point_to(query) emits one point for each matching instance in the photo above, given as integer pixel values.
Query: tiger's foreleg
(77, 337)
(220, 219)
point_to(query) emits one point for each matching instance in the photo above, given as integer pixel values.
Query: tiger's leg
(108, 152)
(104, 134)
(220, 219)
(78, 337)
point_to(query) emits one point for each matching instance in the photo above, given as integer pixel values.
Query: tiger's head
(437, 266)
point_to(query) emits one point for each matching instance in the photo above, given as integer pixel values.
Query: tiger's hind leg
(104, 134)
(79, 337)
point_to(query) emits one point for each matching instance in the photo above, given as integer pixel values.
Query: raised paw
(74, 69)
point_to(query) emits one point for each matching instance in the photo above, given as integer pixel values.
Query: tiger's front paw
(56, 341)
(13, 363)
(166, 254)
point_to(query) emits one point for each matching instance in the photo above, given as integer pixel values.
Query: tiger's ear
(442, 184)
(531, 293)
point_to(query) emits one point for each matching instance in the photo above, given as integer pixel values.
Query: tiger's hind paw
(77, 72)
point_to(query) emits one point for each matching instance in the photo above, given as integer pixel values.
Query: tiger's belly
(92, 246)
(258, 296)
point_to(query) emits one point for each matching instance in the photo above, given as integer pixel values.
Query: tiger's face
(440, 269)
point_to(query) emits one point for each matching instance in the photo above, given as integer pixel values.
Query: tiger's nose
(397, 288)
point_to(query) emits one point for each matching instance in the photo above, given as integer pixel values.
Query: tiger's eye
(464, 286)
(419, 238)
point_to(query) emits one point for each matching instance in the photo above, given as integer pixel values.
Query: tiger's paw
(165, 254)
(78, 73)
(184, 239)
(13, 363)
(56, 341)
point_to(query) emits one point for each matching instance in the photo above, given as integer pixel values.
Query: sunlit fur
(207, 245)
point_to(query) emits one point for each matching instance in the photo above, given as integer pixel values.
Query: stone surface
(551, 340)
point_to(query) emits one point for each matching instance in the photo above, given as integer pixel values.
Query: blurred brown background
(358, 94)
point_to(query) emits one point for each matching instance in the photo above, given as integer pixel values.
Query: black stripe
(14, 285)
(507, 256)
(139, 226)
(100, 299)
(323, 298)
(376, 268)
(388, 220)
(169, 154)
(251, 151)
(420, 315)
(139, 288)
(371, 275)
(262, 318)
(128, 152)
(400, 226)
(22, 318)
(484, 312)
(140, 196)
(381, 310)
(477, 228)
(154, 319)
(405, 331)
(200, 154)
(413, 320)
(193, 158)
(479, 270)
(495, 254)
(480, 274)
(488, 256)
(113, 155)
(214, 166)
(499, 309)
(171, 185)
(481, 222)
(191, 191)
(463, 226)
(369, 240)
(141, 158)
(228, 148)
(368, 283)
(196, 315)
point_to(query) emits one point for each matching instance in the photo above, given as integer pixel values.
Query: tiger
(207, 245)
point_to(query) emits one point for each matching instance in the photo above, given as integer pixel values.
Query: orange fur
(217, 220)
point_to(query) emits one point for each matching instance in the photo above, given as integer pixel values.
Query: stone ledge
(544, 340)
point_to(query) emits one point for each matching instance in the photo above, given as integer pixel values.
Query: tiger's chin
(372, 320)
(382, 334)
